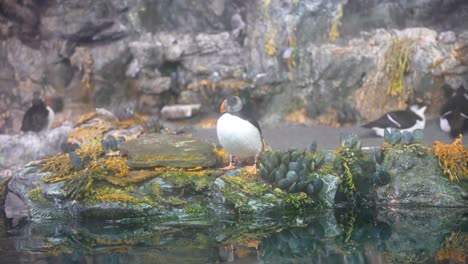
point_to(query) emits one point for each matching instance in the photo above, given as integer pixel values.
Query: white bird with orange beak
(239, 133)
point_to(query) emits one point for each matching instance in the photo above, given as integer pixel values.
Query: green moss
(294, 200)
(199, 180)
(37, 196)
(414, 149)
(198, 210)
(155, 190)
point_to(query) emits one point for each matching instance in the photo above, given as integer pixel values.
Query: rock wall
(333, 61)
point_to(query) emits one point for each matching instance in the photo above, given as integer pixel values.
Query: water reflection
(340, 236)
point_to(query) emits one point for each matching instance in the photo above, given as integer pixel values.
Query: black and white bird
(405, 120)
(454, 113)
(38, 117)
(238, 132)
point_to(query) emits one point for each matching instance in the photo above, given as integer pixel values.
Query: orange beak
(222, 109)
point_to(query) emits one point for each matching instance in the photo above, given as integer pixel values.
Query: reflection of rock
(156, 150)
(413, 225)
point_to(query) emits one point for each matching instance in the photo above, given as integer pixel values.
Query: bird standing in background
(405, 120)
(239, 133)
(38, 117)
(454, 113)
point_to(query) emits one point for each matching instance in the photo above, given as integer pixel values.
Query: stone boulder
(417, 180)
(160, 150)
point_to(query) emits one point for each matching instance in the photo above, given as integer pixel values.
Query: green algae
(37, 196)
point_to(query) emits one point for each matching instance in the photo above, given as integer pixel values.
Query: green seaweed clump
(37, 196)
(352, 166)
(397, 66)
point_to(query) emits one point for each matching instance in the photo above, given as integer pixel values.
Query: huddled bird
(454, 113)
(38, 117)
(404, 120)
(238, 132)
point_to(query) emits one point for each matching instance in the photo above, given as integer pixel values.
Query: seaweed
(397, 66)
(453, 159)
(454, 248)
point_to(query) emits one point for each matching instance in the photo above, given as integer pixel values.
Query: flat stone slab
(160, 150)
(180, 111)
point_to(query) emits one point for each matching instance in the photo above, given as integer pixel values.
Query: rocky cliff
(330, 62)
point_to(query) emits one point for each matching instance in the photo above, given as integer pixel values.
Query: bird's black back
(36, 118)
(454, 109)
(245, 114)
(405, 118)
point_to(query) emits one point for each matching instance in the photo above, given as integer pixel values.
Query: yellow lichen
(334, 33)
(291, 59)
(454, 248)
(270, 38)
(133, 177)
(221, 154)
(116, 197)
(397, 66)
(60, 165)
(270, 43)
(453, 158)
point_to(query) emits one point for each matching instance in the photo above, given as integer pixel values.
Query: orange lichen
(438, 62)
(328, 119)
(453, 158)
(298, 116)
(118, 165)
(454, 248)
(87, 133)
(85, 118)
(133, 177)
(208, 123)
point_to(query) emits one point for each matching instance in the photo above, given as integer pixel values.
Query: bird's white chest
(50, 118)
(444, 125)
(238, 136)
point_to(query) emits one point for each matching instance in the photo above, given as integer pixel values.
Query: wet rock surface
(159, 150)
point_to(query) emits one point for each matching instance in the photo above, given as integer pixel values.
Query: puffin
(239, 133)
(39, 117)
(405, 120)
(454, 113)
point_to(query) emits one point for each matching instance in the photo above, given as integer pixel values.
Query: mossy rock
(159, 150)
(417, 181)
